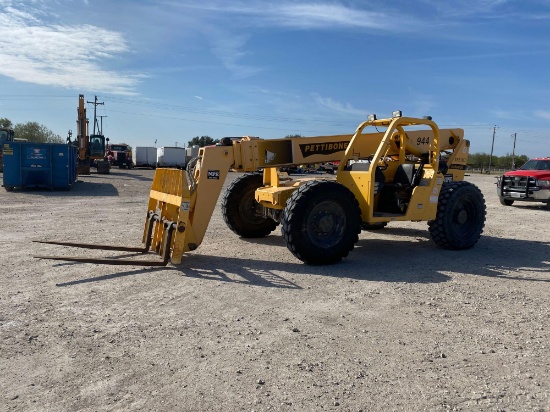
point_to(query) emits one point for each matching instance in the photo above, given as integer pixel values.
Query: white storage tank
(144, 156)
(171, 157)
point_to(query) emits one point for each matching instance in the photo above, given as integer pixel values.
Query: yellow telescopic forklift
(407, 169)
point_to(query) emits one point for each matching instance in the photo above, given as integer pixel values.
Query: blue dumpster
(42, 165)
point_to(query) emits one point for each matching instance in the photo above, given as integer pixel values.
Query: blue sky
(170, 70)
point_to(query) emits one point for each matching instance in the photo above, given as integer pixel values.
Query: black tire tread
(441, 229)
(232, 201)
(295, 213)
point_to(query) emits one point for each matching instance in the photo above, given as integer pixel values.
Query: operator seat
(404, 175)
(395, 196)
(379, 177)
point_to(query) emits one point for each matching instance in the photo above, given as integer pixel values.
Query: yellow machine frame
(190, 205)
(181, 202)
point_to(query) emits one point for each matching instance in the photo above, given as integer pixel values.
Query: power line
(33, 97)
(210, 122)
(514, 152)
(533, 136)
(492, 146)
(95, 103)
(214, 112)
(101, 121)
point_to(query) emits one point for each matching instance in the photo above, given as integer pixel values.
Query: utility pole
(95, 103)
(514, 154)
(492, 147)
(101, 122)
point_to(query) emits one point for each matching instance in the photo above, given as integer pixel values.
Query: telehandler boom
(411, 171)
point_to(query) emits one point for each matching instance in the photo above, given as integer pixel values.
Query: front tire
(239, 208)
(321, 222)
(506, 202)
(460, 216)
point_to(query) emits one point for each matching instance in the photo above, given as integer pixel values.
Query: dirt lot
(242, 325)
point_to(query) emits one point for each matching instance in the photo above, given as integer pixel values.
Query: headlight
(544, 183)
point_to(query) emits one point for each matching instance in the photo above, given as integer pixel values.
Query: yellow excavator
(91, 149)
(406, 169)
(6, 135)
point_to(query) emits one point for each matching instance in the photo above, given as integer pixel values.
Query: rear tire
(321, 222)
(460, 216)
(506, 202)
(239, 208)
(9, 188)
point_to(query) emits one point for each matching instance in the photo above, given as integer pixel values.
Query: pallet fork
(152, 219)
(164, 226)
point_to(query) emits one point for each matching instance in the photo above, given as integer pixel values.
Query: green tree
(34, 132)
(479, 160)
(503, 162)
(4, 122)
(520, 160)
(202, 141)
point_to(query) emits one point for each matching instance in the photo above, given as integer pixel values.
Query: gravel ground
(242, 325)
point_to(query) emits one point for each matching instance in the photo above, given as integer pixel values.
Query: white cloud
(505, 114)
(69, 56)
(299, 15)
(543, 114)
(316, 15)
(422, 104)
(229, 49)
(466, 8)
(336, 106)
(236, 17)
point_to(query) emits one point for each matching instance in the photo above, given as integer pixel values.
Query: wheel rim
(326, 224)
(464, 217)
(247, 208)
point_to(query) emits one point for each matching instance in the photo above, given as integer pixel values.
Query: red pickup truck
(530, 183)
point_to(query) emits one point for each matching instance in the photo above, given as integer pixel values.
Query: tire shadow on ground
(409, 255)
(413, 258)
(491, 256)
